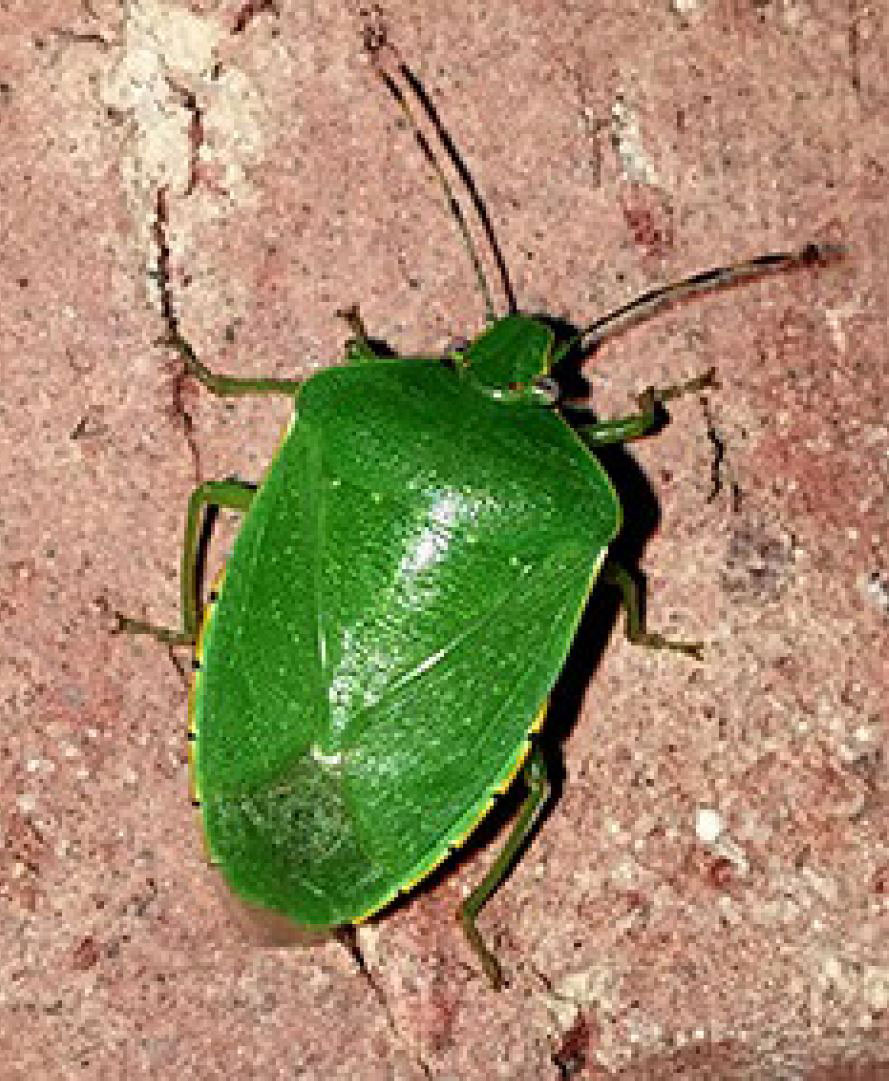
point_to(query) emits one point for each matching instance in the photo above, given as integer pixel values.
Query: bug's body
(399, 602)
(400, 599)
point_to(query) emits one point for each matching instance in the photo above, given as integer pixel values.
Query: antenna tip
(822, 254)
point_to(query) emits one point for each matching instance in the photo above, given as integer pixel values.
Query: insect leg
(226, 386)
(227, 494)
(616, 575)
(359, 346)
(535, 776)
(223, 385)
(638, 424)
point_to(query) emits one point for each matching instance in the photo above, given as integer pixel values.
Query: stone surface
(617, 145)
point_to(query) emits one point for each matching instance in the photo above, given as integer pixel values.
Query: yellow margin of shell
(206, 618)
(193, 786)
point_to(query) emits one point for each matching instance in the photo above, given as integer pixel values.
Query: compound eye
(546, 390)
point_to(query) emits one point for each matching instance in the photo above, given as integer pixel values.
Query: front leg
(638, 424)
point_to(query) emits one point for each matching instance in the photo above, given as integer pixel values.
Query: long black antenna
(665, 296)
(378, 47)
(468, 182)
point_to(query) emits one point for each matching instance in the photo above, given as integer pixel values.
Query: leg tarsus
(619, 577)
(537, 783)
(705, 381)
(166, 635)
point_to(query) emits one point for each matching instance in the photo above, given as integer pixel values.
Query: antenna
(387, 61)
(665, 296)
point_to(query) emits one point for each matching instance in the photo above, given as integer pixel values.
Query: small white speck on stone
(875, 588)
(708, 825)
(625, 873)
(26, 803)
(832, 969)
(729, 910)
(876, 987)
(728, 848)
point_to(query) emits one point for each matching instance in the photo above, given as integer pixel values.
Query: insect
(372, 668)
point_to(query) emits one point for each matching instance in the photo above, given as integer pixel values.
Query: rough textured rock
(709, 896)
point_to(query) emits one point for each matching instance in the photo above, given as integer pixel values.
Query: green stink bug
(400, 599)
